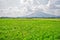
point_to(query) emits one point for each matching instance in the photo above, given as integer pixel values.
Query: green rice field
(29, 29)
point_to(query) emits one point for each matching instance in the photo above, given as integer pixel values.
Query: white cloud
(53, 8)
(14, 8)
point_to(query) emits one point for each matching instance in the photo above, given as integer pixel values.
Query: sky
(20, 8)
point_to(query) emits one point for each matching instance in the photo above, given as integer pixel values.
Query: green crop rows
(29, 29)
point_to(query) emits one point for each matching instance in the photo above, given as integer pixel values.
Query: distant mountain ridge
(41, 14)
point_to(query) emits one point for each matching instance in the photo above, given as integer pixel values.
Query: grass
(29, 29)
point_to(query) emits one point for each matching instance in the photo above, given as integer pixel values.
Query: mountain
(41, 14)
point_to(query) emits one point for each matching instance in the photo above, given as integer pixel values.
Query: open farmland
(29, 29)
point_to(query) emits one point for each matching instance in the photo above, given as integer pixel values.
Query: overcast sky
(16, 8)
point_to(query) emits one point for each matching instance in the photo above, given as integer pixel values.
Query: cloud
(53, 8)
(19, 8)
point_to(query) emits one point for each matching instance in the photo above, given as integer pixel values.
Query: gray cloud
(14, 8)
